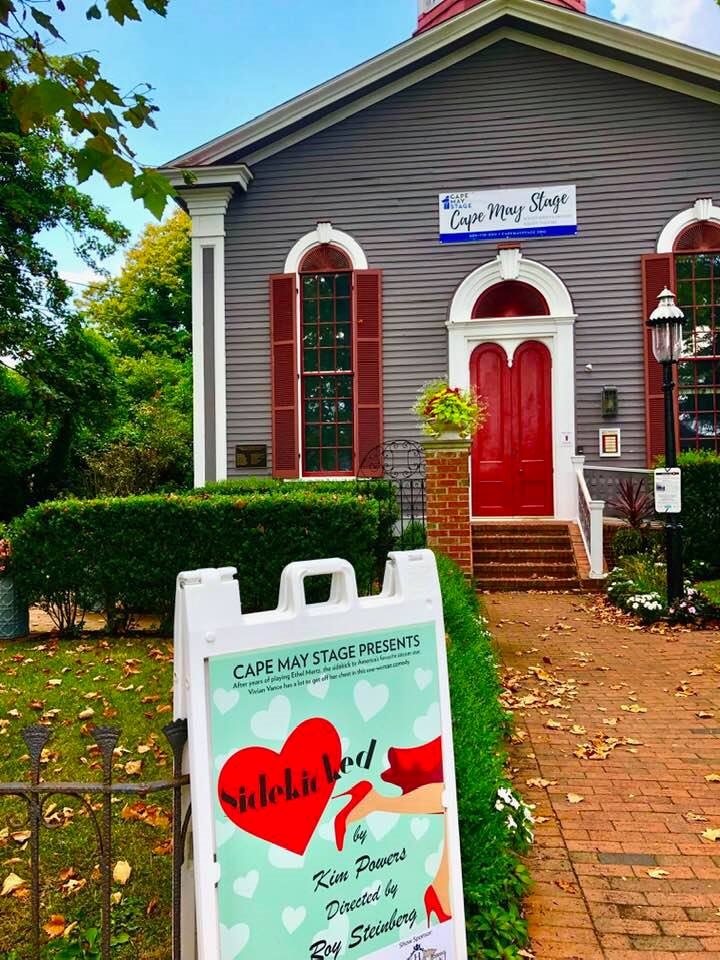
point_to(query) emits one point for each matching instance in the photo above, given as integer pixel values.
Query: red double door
(512, 467)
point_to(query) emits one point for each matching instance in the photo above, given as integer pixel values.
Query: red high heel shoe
(356, 794)
(433, 905)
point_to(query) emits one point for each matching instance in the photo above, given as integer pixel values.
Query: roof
(576, 35)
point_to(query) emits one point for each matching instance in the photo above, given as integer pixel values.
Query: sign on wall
(668, 490)
(322, 777)
(610, 442)
(472, 216)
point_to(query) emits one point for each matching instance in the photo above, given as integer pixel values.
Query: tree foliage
(37, 194)
(42, 85)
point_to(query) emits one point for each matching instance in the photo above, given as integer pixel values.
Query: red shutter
(283, 326)
(657, 273)
(367, 292)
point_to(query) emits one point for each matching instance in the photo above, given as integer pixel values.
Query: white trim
(555, 331)
(510, 265)
(702, 210)
(236, 174)
(616, 38)
(326, 233)
(207, 208)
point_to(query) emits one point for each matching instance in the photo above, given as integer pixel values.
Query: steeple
(433, 12)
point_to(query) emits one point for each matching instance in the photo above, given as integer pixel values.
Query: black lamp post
(666, 324)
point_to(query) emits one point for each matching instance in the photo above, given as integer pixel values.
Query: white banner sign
(472, 216)
(668, 491)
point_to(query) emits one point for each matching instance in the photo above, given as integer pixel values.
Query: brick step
(529, 541)
(520, 528)
(524, 571)
(482, 554)
(545, 584)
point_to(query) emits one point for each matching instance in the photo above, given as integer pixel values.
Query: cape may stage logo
(425, 953)
(471, 216)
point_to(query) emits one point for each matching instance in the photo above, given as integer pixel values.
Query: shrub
(441, 407)
(380, 490)
(413, 537)
(633, 503)
(701, 511)
(124, 555)
(638, 585)
(494, 879)
(628, 542)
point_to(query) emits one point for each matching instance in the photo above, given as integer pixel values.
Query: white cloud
(80, 278)
(695, 22)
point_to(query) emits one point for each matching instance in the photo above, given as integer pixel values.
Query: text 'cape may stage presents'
(324, 810)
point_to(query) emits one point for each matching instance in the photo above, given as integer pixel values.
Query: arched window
(326, 347)
(327, 362)
(510, 298)
(697, 275)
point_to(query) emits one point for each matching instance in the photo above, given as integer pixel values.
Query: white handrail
(590, 520)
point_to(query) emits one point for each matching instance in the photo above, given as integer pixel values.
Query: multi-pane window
(327, 372)
(698, 293)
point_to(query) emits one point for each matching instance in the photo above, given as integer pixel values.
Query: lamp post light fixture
(666, 325)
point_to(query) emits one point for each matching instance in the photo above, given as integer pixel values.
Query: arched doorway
(512, 462)
(510, 334)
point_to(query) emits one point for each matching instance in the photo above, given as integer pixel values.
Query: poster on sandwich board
(321, 762)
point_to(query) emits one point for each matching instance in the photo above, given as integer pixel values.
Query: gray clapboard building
(498, 200)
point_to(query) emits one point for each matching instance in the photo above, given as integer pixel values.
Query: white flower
(499, 805)
(511, 823)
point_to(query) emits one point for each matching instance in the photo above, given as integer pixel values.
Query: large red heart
(280, 797)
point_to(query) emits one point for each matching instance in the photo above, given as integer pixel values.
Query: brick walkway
(593, 895)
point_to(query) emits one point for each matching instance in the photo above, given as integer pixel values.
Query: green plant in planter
(445, 409)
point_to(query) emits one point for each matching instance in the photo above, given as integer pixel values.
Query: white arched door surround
(701, 211)
(556, 331)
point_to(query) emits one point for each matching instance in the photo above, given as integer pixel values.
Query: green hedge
(380, 490)
(123, 555)
(495, 880)
(701, 509)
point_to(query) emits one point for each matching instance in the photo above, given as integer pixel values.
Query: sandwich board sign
(324, 811)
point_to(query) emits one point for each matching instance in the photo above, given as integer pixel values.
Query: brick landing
(593, 897)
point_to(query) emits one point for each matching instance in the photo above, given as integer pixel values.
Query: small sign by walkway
(324, 812)
(668, 490)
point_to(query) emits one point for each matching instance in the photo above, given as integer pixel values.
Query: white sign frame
(610, 432)
(668, 490)
(209, 622)
(476, 216)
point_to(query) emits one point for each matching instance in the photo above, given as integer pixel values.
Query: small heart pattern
(281, 797)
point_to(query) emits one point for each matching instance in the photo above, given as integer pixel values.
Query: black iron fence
(402, 462)
(36, 794)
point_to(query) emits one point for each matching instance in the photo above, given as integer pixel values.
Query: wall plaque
(251, 456)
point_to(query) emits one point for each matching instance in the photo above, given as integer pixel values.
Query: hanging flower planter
(449, 412)
(14, 616)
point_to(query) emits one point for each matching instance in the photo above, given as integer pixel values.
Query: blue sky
(216, 63)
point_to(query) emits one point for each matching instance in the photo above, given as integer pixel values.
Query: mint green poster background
(269, 907)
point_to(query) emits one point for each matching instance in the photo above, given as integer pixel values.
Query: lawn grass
(711, 589)
(126, 683)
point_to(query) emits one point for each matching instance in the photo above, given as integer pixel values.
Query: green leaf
(7, 59)
(102, 142)
(6, 8)
(157, 6)
(43, 20)
(93, 12)
(122, 10)
(117, 171)
(88, 162)
(153, 189)
(36, 102)
(105, 92)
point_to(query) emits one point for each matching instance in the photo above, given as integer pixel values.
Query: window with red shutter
(337, 340)
(657, 273)
(283, 333)
(697, 275)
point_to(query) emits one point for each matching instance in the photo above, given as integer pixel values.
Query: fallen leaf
(710, 834)
(55, 927)
(121, 872)
(575, 798)
(578, 729)
(704, 715)
(566, 886)
(12, 882)
(86, 713)
(133, 767)
(657, 874)
(712, 777)
(540, 782)
(633, 708)
(695, 817)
